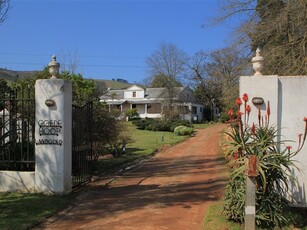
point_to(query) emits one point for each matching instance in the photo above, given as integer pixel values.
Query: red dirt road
(170, 191)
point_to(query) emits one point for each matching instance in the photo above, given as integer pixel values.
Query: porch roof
(122, 101)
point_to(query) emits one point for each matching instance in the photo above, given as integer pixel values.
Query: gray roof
(150, 93)
(113, 94)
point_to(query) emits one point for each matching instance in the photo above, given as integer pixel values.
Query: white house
(150, 102)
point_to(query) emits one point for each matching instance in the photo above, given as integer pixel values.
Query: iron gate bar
(17, 131)
(82, 119)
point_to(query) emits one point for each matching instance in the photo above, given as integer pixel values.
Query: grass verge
(144, 144)
(23, 211)
(202, 126)
(214, 220)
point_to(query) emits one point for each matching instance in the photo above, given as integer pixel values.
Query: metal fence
(82, 132)
(17, 127)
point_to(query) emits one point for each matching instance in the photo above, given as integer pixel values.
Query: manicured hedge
(160, 125)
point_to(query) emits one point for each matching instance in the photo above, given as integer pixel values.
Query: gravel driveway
(170, 191)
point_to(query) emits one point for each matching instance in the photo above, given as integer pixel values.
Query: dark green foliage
(109, 134)
(142, 123)
(160, 125)
(84, 90)
(234, 198)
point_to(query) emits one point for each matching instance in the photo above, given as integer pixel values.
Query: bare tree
(216, 75)
(168, 61)
(69, 60)
(167, 65)
(4, 9)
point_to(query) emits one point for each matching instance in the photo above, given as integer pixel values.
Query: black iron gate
(17, 126)
(82, 121)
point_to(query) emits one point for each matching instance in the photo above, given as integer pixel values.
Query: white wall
(128, 93)
(17, 181)
(287, 96)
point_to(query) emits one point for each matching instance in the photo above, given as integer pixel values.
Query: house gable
(186, 95)
(134, 92)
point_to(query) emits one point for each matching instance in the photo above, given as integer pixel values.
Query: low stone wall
(17, 181)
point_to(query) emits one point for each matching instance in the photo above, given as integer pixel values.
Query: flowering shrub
(275, 162)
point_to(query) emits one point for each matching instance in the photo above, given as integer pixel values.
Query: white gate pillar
(53, 133)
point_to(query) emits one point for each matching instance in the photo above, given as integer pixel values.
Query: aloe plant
(275, 163)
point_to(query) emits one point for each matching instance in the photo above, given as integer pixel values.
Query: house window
(133, 106)
(194, 110)
(134, 94)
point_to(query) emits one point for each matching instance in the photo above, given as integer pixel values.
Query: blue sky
(112, 38)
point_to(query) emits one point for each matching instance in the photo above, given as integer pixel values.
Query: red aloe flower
(248, 109)
(268, 111)
(238, 102)
(305, 118)
(289, 149)
(230, 113)
(245, 97)
(240, 113)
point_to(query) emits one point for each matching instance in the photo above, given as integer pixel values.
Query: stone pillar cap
(54, 67)
(257, 63)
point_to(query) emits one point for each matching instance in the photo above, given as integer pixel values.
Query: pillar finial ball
(54, 67)
(257, 62)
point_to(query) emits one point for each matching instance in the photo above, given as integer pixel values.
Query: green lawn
(144, 143)
(22, 211)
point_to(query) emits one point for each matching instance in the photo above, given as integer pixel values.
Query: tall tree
(167, 61)
(4, 9)
(167, 66)
(282, 34)
(278, 27)
(161, 80)
(216, 75)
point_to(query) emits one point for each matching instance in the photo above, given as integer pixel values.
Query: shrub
(176, 123)
(132, 114)
(275, 160)
(160, 125)
(142, 123)
(183, 130)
